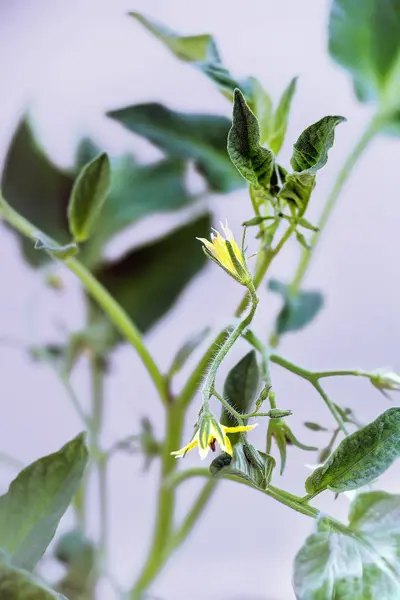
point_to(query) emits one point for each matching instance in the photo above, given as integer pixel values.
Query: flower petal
(239, 428)
(181, 453)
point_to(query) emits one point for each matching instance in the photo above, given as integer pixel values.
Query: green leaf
(243, 466)
(333, 565)
(310, 152)
(138, 191)
(280, 119)
(240, 390)
(17, 584)
(364, 37)
(88, 197)
(200, 137)
(190, 48)
(297, 190)
(314, 426)
(253, 162)
(297, 311)
(78, 555)
(361, 457)
(37, 499)
(148, 280)
(36, 188)
(185, 352)
(262, 106)
(202, 52)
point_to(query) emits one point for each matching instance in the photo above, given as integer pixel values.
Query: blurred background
(67, 63)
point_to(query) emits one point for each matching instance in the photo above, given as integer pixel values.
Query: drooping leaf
(17, 584)
(244, 466)
(148, 280)
(185, 351)
(310, 152)
(253, 162)
(201, 51)
(361, 457)
(364, 37)
(240, 390)
(36, 188)
(298, 310)
(37, 499)
(200, 137)
(88, 196)
(280, 119)
(333, 565)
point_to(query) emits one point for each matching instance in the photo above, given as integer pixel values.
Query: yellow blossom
(208, 433)
(224, 250)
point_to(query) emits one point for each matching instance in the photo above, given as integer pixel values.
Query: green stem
(115, 312)
(331, 407)
(267, 256)
(165, 504)
(343, 176)
(344, 373)
(208, 386)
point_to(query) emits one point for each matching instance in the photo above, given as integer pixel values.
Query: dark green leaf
(297, 190)
(185, 352)
(297, 311)
(364, 37)
(36, 188)
(361, 457)
(310, 152)
(200, 137)
(16, 584)
(148, 280)
(314, 426)
(202, 52)
(88, 197)
(37, 499)
(280, 119)
(241, 466)
(253, 162)
(240, 390)
(138, 191)
(331, 565)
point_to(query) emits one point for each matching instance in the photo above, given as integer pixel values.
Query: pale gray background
(68, 62)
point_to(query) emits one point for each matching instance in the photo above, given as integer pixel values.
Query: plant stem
(165, 503)
(229, 342)
(344, 373)
(115, 312)
(331, 407)
(343, 176)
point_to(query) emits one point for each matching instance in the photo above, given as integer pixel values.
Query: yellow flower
(224, 250)
(208, 433)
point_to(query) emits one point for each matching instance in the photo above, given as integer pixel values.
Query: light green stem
(115, 312)
(343, 176)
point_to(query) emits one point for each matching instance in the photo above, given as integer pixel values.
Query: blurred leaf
(364, 566)
(201, 51)
(185, 351)
(88, 196)
(280, 118)
(148, 280)
(297, 311)
(310, 152)
(262, 106)
(78, 554)
(138, 191)
(364, 37)
(60, 252)
(200, 137)
(361, 457)
(314, 426)
(37, 499)
(36, 188)
(253, 162)
(240, 390)
(17, 584)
